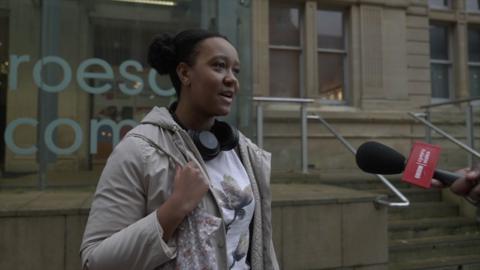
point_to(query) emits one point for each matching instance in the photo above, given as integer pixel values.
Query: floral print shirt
(232, 188)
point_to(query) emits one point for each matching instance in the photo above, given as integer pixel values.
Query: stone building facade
(74, 76)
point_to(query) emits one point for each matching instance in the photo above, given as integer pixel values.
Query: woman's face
(213, 78)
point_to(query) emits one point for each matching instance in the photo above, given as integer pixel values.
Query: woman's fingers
(190, 186)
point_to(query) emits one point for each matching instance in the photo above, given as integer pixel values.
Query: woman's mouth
(227, 96)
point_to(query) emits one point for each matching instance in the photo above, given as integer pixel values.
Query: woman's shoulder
(250, 145)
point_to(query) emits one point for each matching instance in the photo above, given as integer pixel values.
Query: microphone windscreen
(373, 157)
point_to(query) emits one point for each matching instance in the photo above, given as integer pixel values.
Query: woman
(182, 190)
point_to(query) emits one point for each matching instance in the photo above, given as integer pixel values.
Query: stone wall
(319, 227)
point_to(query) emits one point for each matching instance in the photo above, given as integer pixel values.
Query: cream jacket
(123, 232)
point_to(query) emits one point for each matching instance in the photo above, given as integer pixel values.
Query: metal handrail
(283, 99)
(450, 102)
(420, 117)
(425, 118)
(405, 202)
(303, 111)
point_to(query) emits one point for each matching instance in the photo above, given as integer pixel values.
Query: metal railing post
(444, 134)
(303, 111)
(379, 200)
(469, 125)
(260, 125)
(469, 129)
(304, 122)
(428, 131)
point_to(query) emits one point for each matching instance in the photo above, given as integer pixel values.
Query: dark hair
(166, 52)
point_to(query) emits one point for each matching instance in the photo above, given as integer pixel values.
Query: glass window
(284, 24)
(117, 41)
(474, 60)
(474, 80)
(285, 49)
(330, 29)
(284, 75)
(440, 80)
(439, 42)
(439, 4)
(331, 54)
(473, 5)
(440, 62)
(331, 76)
(3, 80)
(74, 79)
(474, 44)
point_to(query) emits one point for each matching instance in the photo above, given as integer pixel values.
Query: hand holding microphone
(373, 157)
(467, 185)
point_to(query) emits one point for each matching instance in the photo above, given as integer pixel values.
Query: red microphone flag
(421, 164)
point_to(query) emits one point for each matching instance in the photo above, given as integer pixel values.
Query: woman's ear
(183, 72)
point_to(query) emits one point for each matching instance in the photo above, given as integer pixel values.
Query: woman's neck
(192, 119)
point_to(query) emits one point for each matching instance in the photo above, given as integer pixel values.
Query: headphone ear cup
(206, 143)
(226, 134)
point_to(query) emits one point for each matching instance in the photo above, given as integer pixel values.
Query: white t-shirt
(232, 187)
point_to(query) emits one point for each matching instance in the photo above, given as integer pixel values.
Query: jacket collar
(160, 117)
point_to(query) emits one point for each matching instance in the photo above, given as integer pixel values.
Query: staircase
(430, 234)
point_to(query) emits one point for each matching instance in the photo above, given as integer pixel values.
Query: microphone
(376, 158)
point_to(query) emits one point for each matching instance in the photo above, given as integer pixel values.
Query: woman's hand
(189, 187)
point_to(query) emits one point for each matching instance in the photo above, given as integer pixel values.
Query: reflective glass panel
(284, 73)
(284, 24)
(440, 80)
(474, 81)
(331, 76)
(473, 5)
(3, 80)
(441, 4)
(439, 42)
(74, 79)
(330, 29)
(474, 44)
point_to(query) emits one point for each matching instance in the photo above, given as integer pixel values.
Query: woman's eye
(219, 65)
(236, 70)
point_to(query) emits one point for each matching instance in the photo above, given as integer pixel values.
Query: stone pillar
(460, 56)
(260, 63)
(371, 29)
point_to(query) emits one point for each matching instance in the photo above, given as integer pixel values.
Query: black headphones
(221, 137)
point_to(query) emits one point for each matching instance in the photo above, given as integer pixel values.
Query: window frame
(449, 62)
(345, 52)
(300, 48)
(474, 11)
(446, 7)
(470, 63)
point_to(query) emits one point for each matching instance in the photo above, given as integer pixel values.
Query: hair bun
(161, 54)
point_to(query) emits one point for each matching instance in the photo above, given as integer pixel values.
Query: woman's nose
(230, 78)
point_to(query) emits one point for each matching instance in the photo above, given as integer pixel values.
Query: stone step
(356, 181)
(418, 210)
(430, 247)
(414, 194)
(466, 262)
(370, 184)
(428, 227)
